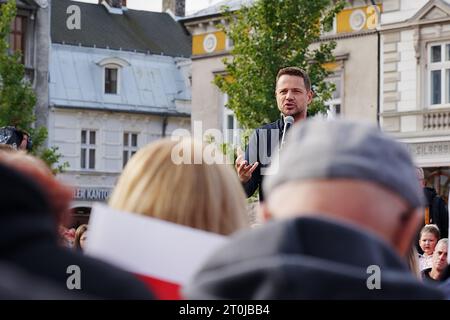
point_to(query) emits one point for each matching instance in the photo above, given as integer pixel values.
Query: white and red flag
(164, 255)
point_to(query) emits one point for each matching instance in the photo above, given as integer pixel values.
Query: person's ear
(406, 231)
(310, 96)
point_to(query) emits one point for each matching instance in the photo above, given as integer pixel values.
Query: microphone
(288, 121)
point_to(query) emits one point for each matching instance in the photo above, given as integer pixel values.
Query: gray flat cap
(345, 149)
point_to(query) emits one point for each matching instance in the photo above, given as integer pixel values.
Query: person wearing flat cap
(344, 207)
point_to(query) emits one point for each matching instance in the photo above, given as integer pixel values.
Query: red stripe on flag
(163, 290)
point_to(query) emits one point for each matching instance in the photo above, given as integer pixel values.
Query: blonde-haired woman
(192, 193)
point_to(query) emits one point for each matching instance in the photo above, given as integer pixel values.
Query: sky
(156, 5)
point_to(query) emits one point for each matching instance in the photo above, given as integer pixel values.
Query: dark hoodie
(305, 258)
(438, 211)
(28, 242)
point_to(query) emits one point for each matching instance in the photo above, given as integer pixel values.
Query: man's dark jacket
(438, 211)
(307, 258)
(262, 146)
(28, 241)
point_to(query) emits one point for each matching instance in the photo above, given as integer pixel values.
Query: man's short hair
(295, 71)
(443, 242)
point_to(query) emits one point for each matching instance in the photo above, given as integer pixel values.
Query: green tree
(270, 35)
(17, 98)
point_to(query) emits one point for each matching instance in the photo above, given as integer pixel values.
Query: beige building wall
(356, 61)
(359, 77)
(408, 111)
(206, 97)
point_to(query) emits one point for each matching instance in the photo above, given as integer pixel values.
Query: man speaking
(293, 94)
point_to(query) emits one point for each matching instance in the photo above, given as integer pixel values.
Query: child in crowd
(429, 236)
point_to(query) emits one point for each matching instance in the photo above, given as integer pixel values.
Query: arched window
(111, 77)
(112, 68)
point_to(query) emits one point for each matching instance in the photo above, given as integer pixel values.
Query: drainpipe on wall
(164, 126)
(378, 64)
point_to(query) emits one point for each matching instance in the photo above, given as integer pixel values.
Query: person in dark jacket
(436, 211)
(28, 239)
(445, 284)
(293, 94)
(345, 205)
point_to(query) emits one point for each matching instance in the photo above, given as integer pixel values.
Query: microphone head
(289, 119)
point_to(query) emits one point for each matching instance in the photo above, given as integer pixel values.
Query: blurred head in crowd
(336, 170)
(33, 206)
(80, 237)
(59, 195)
(67, 236)
(429, 236)
(347, 199)
(203, 196)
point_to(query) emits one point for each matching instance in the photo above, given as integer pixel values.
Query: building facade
(117, 83)
(354, 71)
(30, 34)
(416, 83)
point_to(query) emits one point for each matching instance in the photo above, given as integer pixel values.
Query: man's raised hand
(243, 168)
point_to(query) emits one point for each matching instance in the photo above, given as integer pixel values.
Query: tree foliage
(17, 98)
(270, 35)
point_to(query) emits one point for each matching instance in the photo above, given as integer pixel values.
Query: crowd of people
(345, 199)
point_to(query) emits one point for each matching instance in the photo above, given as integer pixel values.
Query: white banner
(149, 247)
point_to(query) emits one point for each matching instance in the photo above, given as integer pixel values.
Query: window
(230, 124)
(130, 146)
(111, 77)
(87, 149)
(439, 74)
(17, 35)
(112, 73)
(334, 105)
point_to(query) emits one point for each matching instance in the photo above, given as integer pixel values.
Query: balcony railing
(436, 120)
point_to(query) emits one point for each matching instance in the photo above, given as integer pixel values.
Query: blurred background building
(117, 83)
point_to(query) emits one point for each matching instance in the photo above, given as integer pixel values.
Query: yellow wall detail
(208, 43)
(331, 66)
(358, 19)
